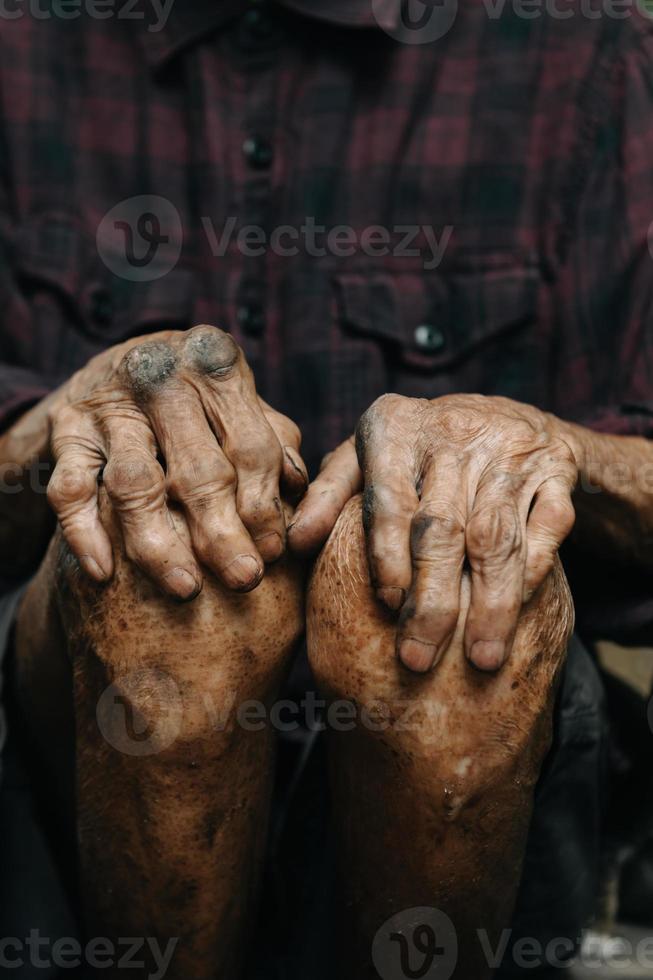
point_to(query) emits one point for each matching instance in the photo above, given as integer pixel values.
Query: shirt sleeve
(21, 386)
(606, 304)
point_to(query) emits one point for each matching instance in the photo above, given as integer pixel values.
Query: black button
(258, 30)
(258, 23)
(101, 306)
(258, 152)
(252, 319)
(429, 338)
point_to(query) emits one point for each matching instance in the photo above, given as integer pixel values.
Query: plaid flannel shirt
(364, 213)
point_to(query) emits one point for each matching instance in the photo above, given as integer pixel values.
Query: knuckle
(259, 502)
(385, 407)
(146, 367)
(131, 474)
(562, 515)
(259, 451)
(69, 485)
(429, 526)
(199, 475)
(209, 350)
(493, 533)
(431, 604)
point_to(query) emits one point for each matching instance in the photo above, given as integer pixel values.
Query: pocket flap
(51, 250)
(434, 320)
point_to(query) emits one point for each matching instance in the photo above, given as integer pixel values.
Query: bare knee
(467, 727)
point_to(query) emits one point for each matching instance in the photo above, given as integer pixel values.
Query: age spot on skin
(211, 351)
(148, 367)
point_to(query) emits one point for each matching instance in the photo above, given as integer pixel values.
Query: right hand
(188, 399)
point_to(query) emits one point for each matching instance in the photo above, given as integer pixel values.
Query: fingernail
(244, 573)
(417, 656)
(92, 568)
(294, 465)
(391, 596)
(182, 583)
(270, 546)
(488, 654)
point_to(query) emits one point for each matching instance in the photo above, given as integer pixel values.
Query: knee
(154, 673)
(467, 726)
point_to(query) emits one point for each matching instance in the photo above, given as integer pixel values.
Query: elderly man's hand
(461, 479)
(174, 417)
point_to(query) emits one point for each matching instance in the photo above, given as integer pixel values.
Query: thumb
(339, 479)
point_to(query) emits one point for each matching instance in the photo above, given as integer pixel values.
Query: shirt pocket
(470, 328)
(77, 306)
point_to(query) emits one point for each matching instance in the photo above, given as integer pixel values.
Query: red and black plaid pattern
(523, 146)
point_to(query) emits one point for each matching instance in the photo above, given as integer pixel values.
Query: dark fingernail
(244, 573)
(270, 546)
(391, 596)
(417, 655)
(182, 583)
(294, 465)
(92, 568)
(488, 654)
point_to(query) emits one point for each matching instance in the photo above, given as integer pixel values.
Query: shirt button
(258, 31)
(258, 152)
(258, 23)
(251, 318)
(429, 338)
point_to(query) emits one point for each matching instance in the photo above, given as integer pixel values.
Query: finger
(231, 405)
(203, 481)
(389, 504)
(294, 475)
(73, 491)
(135, 484)
(339, 479)
(496, 550)
(550, 521)
(437, 544)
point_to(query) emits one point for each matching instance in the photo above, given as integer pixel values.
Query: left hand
(461, 478)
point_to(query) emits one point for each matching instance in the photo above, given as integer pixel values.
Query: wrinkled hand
(174, 417)
(461, 479)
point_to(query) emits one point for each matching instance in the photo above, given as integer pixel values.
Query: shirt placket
(253, 46)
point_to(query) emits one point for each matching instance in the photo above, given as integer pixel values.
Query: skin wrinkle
(132, 411)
